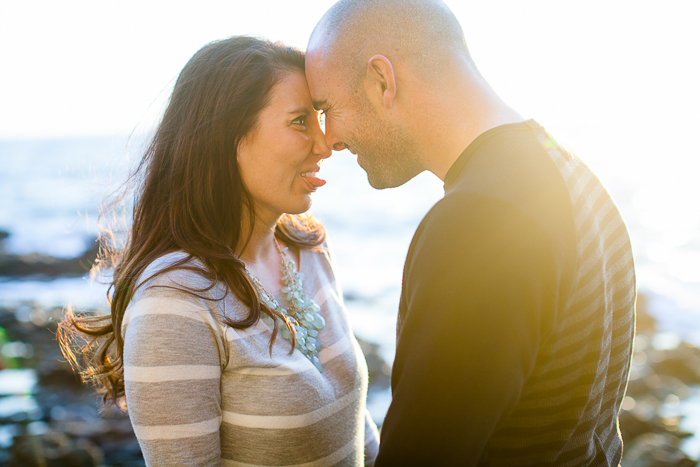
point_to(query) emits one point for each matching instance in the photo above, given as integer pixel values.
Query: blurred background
(82, 85)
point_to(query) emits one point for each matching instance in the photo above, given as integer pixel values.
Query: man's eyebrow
(320, 105)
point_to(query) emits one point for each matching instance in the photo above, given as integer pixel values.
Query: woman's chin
(300, 207)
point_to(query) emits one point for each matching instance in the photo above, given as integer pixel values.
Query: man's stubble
(386, 151)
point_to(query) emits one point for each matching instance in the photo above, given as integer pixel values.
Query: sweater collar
(458, 166)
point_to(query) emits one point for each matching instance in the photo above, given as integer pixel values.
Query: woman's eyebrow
(299, 110)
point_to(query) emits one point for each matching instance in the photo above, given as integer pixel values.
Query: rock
(81, 432)
(43, 266)
(656, 450)
(633, 425)
(350, 295)
(645, 420)
(682, 363)
(379, 370)
(645, 322)
(54, 450)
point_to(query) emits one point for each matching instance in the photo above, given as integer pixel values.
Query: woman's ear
(380, 81)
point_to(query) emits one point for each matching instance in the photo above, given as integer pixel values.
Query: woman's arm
(172, 358)
(371, 440)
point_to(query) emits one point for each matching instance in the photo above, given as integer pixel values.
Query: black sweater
(517, 314)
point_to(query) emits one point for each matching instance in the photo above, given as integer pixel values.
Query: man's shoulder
(516, 171)
(511, 189)
(463, 215)
(470, 211)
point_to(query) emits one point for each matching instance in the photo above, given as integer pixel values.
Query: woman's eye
(300, 121)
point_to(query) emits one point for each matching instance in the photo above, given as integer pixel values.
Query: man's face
(384, 149)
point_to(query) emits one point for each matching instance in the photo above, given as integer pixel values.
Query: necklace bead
(303, 314)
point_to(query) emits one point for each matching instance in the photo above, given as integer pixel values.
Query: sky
(617, 80)
(87, 68)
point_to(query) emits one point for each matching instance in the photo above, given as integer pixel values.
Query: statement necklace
(303, 314)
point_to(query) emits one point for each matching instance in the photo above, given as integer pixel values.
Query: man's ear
(380, 81)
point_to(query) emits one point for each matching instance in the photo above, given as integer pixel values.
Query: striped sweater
(200, 393)
(517, 315)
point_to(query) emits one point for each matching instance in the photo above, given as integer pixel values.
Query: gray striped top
(202, 393)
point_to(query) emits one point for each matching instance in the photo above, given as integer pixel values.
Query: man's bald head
(386, 73)
(421, 33)
(398, 87)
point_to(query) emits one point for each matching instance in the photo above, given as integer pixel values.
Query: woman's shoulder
(180, 277)
(319, 256)
(171, 286)
(176, 269)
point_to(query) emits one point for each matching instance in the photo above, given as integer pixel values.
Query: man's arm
(480, 290)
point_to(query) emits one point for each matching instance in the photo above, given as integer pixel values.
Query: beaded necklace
(303, 314)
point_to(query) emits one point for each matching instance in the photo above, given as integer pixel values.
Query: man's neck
(463, 114)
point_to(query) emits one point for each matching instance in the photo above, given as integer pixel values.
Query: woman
(227, 335)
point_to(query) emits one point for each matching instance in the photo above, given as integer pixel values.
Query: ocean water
(52, 192)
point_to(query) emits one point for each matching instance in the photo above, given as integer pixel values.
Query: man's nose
(331, 140)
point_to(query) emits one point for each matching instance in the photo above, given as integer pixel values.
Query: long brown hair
(189, 197)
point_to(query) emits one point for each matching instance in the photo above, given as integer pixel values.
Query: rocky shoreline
(65, 423)
(664, 384)
(44, 267)
(49, 418)
(55, 420)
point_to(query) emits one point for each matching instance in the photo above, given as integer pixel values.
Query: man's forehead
(321, 82)
(324, 96)
(316, 65)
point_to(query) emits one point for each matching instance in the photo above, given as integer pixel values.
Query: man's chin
(377, 184)
(374, 180)
(381, 179)
(382, 182)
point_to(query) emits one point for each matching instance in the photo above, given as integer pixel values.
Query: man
(516, 319)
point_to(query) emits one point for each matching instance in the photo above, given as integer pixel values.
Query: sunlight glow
(615, 81)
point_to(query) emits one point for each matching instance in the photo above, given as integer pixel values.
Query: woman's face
(279, 159)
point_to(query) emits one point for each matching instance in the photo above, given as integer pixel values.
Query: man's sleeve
(480, 289)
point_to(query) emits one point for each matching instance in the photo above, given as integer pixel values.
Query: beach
(53, 191)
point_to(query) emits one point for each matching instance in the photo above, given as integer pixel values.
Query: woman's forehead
(291, 93)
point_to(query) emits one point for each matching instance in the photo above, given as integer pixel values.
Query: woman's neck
(257, 242)
(260, 253)
(261, 257)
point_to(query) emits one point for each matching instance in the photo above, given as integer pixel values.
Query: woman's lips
(312, 180)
